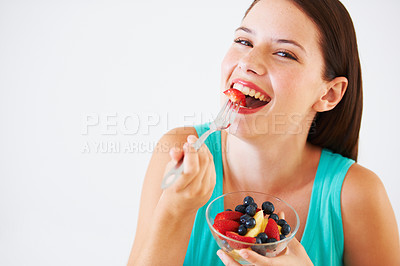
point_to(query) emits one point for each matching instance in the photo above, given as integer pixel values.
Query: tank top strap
(323, 234)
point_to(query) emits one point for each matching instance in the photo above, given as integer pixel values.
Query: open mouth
(254, 99)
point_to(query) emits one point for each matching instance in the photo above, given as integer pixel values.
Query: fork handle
(203, 137)
(177, 170)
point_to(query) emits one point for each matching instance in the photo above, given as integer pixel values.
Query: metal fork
(223, 120)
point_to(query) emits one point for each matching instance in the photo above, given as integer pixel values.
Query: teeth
(238, 86)
(247, 91)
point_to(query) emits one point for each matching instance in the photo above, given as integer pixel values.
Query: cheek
(298, 88)
(228, 64)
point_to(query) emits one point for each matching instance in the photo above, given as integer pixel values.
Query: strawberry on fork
(236, 96)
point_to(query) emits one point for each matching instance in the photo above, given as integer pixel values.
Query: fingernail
(191, 139)
(221, 255)
(244, 254)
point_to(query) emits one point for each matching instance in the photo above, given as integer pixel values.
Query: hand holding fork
(223, 120)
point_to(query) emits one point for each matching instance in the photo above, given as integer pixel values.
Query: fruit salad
(248, 223)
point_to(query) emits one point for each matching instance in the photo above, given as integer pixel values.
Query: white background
(68, 64)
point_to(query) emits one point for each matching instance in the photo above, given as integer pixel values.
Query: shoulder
(366, 208)
(359, 181)
(362, 190)
(360, 184)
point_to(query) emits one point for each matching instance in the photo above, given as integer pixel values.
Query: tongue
(252, 102)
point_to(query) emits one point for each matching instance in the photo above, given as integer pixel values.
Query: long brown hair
(337, 129)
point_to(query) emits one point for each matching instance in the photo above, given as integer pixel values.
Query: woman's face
(276, 53)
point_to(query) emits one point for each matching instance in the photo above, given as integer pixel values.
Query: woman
(299, 145)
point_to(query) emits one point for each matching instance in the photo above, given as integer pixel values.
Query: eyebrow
(245, 30)
(290, 42)
(274, 40)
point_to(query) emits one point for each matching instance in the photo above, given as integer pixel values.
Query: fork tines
(227, 114)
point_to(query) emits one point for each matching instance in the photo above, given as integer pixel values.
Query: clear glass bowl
(230, 201)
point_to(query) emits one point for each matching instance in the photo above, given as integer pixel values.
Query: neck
(269, 163)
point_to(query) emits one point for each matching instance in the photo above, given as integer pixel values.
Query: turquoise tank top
(323, 233)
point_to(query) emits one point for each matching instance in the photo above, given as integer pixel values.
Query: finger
(293, 244)
(190, 168)
(190, 160)
(254, 257)
(296, 250)
(281, 215)
(207, 171)
(176, 154)
(202, 174)
(226, 259)
(191, 139)
(194, 179)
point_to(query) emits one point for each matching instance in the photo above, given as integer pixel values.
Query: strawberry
(238, 237)
(236, 96)
(272, 230)
(223, 226)
(228, 215)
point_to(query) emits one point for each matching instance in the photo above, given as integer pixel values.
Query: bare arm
(371, 236)
(166, 217)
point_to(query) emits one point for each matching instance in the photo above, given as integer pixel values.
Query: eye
(287, 55)
(243, 42)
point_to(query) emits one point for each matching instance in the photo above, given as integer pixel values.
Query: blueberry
(268, 207)
(274, 216)
(281, 222)
(285, 229)
(258, 240)
(250, 223)
(262, 250)
(242, 230)
(263, 237)
(254, 204)
(251, 210)
(248, 200)
(241, 208)
(228, 210)
(273, 246)
(282, 237)
(244, 218)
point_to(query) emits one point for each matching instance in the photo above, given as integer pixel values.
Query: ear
(332, 95)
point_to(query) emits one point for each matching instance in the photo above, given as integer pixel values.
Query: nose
(253, 62)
